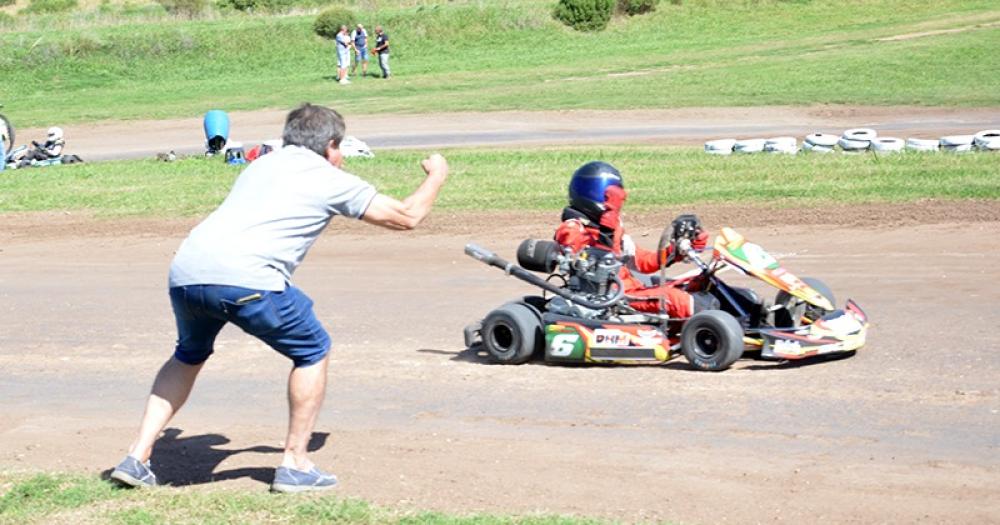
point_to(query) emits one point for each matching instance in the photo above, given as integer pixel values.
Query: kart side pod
(569, 339)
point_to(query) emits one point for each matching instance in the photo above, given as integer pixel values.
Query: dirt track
(136, 139)
(906, 431)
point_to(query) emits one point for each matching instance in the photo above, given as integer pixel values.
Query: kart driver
(52, 147)
(593, 220)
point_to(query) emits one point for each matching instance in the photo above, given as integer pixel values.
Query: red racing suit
(577, 232)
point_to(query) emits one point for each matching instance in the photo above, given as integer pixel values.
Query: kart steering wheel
(686, 226)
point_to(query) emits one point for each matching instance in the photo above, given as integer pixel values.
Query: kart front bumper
(840, 331)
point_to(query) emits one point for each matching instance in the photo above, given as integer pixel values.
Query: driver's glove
(700, 242)
(628, 246)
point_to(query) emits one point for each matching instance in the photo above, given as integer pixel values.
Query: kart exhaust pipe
(487, 257)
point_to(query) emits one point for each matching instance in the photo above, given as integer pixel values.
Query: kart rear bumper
(472, 333)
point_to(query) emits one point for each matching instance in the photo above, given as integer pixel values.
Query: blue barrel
(216, 130)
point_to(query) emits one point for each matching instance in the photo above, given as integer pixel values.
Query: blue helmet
(587, 187)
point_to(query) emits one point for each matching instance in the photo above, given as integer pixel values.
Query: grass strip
(484, 56)
(74, 498)
(511, 180)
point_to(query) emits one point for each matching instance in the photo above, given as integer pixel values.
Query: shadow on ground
(193, 460)
(751, 360)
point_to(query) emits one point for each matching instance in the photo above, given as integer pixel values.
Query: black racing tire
(512, 334)
(791, 315)
(8, 138)
(712, 340)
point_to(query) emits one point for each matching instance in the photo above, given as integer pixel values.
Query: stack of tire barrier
(988, 140)
(957, 143)
(915, 144)
(820, 143)
(782, 145)
(856, 141)
(720, 147)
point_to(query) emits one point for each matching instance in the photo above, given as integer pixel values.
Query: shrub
(6, 20)
(328, 23)
(50, 6)
(5, 3)
(637, 7)
(188, 8)
(256, 5)
(585, 15)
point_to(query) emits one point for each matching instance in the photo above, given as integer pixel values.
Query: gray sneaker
(291, 480)
(133, 473)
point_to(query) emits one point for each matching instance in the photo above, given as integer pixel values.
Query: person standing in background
(344, 45)
(382, 48)
(360, 38)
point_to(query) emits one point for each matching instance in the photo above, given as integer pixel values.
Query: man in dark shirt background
(382, 48)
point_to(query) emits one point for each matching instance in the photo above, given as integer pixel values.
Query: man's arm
(393, 214)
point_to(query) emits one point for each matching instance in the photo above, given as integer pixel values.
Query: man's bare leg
(306, 390)
(170, 390)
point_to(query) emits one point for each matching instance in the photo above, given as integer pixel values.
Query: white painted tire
(915, 144)
(749, 146)
(860, 134)
(989, 145)
(888, 144)
(987, 133)
(961, 148)
(957, 140)
(789, 150)
(816, 148)
(847, 144)
(822, 139)
(988, 140)
(786, 145)
(720, 147)
(783, 141)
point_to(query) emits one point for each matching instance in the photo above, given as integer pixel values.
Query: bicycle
(6, 133)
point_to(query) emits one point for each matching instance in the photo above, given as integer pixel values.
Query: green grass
(48, 498)
(481, 56)
(532, 180)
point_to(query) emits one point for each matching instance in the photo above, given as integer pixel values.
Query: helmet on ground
(55, 133)
(587, 187)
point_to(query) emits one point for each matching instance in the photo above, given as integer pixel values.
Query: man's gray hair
(313, 128)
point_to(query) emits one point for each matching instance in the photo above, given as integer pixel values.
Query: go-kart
(20, 157)
(584, 315)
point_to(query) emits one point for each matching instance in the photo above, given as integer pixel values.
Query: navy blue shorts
(284, 320)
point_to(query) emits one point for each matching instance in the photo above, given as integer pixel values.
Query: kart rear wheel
(795, 309)
(712, 340)
(512, 334)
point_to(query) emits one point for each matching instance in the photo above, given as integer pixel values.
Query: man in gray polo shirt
(236, 267)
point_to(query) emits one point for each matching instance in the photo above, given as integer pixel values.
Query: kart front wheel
(795, 309)
(712, 340)
(512, 334)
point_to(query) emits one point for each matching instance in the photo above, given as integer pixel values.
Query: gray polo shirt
(272, 216)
